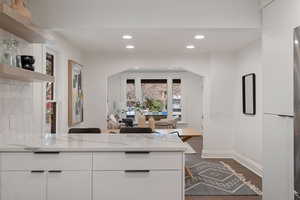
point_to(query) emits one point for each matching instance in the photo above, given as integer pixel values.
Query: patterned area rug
(216, 179)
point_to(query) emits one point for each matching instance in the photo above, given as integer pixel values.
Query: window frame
(169, 77)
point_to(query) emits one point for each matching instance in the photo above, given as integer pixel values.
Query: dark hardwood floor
(197, 143)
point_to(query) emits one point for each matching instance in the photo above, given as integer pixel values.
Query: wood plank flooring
(197, 144)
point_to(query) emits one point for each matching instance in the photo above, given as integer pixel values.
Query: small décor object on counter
(20, 7)
(141, 120)
(27, 62)
(151, 122)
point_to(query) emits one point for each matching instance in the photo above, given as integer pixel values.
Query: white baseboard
(249, 163)
(243, 160)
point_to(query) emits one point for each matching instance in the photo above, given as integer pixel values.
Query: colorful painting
(75, 93)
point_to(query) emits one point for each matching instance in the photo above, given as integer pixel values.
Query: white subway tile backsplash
(4, 124)
(16, 107)
(16, 98)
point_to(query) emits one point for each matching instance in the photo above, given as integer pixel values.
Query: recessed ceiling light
(127, 37)
(199, 37)
(130, 47)
(190, 47)
(296, 42)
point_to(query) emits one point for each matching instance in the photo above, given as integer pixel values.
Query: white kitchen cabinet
(63, 185)
(277, 156)
(21, 185)
(92, 175)
(46, 176)
(38, 185)
(277, 69)
(146, 185)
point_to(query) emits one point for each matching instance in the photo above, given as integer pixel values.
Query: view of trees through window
(176, 99)
(130, 93)
(154, 97)
(154, 94)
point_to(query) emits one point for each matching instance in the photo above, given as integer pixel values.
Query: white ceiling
(158, 26)
(66, 14)
(160, 41)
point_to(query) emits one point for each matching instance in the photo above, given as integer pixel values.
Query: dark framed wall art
(249, 94)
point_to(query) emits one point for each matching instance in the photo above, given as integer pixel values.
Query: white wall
(115, 89)
(248, 128)
(101, 67)
(217, 69)
(191, 89)
(218, 142)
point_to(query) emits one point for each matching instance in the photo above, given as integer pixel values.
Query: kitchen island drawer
(146, 185)
(45, 161)
(137, 160)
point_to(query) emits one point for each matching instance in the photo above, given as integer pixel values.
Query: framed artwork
(249, 94)
(75, 113)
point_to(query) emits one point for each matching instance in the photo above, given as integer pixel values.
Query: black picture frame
(249, 108)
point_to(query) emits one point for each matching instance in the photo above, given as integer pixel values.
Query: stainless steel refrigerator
(297, 113)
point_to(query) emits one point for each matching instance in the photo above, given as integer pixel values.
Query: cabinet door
(153, 185)
(277, 69)
(278, 157)
(23, 185)
(63, 185)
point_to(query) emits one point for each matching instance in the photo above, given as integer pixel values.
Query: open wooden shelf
(13, 22)
(15, 73)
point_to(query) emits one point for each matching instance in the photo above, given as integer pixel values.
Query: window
(155, 97)
(151, 96)
(130, 96)
(176, 98)
(50, 118)
(130, 92)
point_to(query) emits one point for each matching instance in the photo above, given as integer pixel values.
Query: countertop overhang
(90, 142)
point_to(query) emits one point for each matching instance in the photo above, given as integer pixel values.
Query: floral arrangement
(148, 104)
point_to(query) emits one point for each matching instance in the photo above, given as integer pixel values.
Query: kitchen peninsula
(85, 167)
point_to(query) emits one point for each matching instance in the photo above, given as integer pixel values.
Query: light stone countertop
(91, 142)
